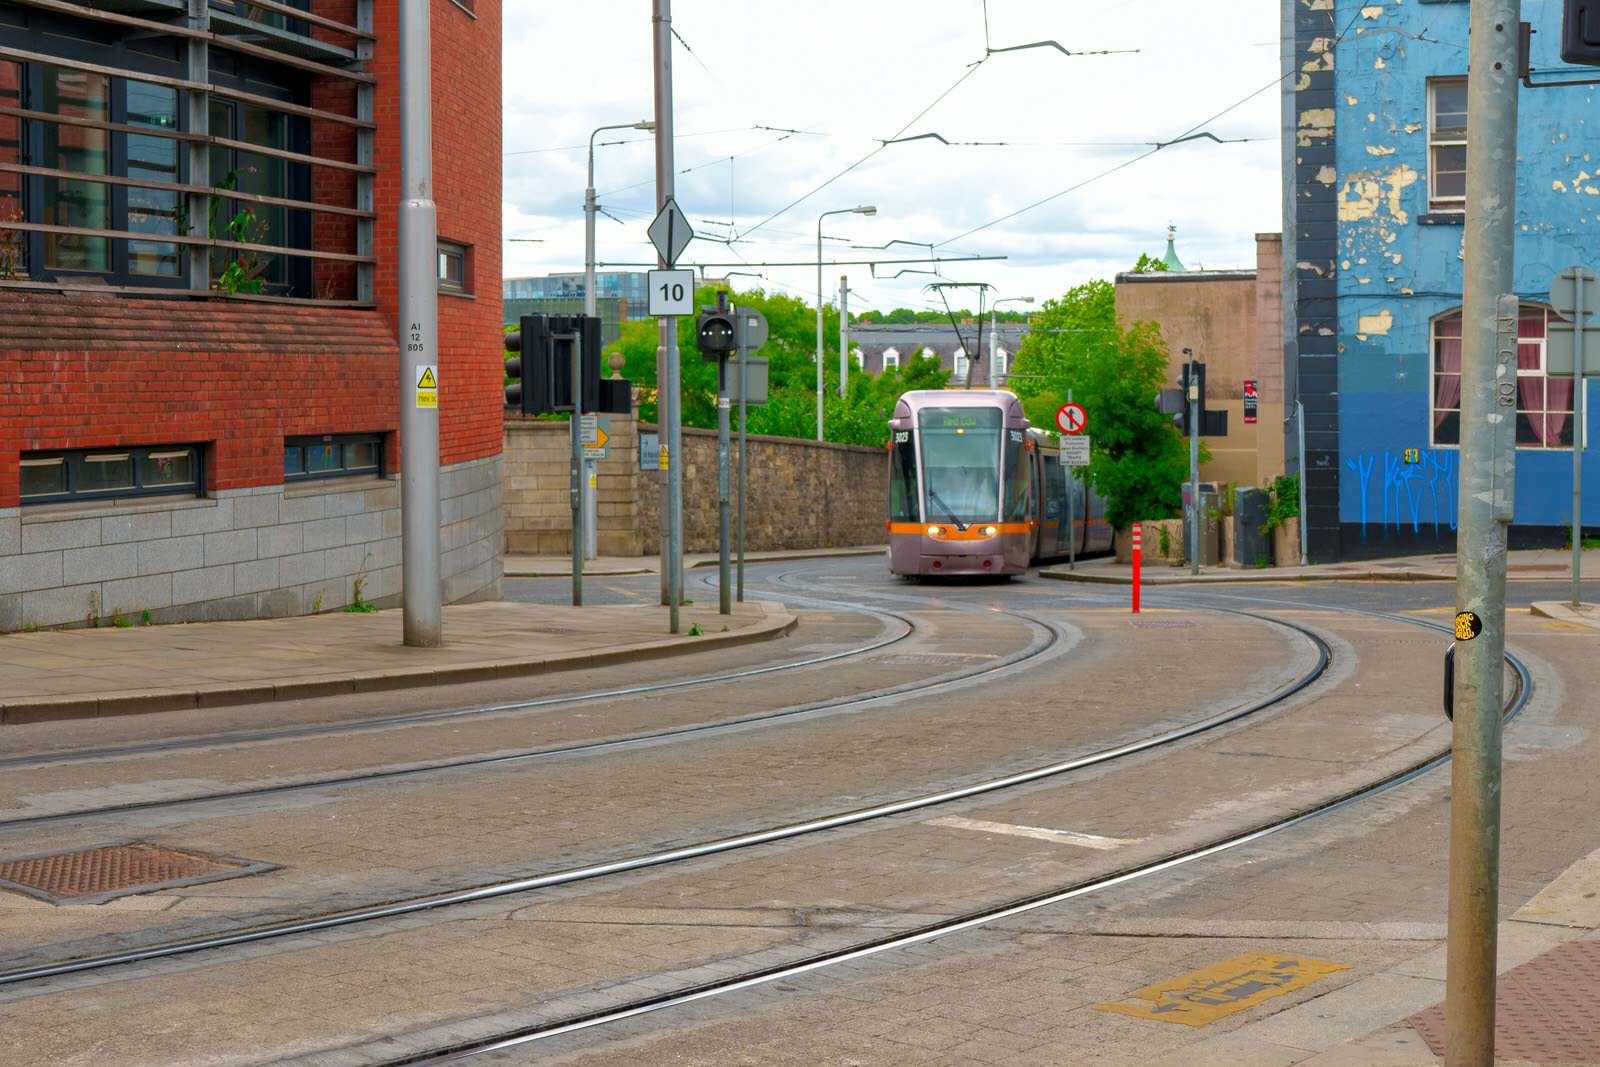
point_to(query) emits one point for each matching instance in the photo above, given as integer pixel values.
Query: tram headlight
(990, 531)
(935, 531)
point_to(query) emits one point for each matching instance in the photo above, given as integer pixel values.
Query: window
(1544, 404)
(1000, 362)
(332, 456)
(891, 358)
(452, 267)
(1447, 144)
(99, 163)
(104, 473)
(961, 364)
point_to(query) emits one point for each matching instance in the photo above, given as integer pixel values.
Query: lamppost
(866, 209)
(590, 537)
(994, 323)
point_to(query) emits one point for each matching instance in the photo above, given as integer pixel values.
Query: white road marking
(1060, 837)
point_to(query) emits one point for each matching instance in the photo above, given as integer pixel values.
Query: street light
(591, 540)
(866, 209)
(994, 324)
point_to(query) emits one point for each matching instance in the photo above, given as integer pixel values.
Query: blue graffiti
(1429, 483)
(1363, 471)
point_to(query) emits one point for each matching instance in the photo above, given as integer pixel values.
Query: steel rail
(495, 890)
(944, 928)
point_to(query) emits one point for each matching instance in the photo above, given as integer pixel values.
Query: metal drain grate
(94, 875)
(1547, 1010)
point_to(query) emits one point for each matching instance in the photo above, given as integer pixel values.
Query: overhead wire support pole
(1488, 465)
(667, 383)
(421, 585)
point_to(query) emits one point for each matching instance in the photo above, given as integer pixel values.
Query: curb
(132, 702)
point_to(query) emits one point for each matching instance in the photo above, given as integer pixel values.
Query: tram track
(1047, 637)
(17, 976)
(658, 1001)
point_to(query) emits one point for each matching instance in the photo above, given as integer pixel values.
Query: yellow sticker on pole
(427, 386)
(1206, 995)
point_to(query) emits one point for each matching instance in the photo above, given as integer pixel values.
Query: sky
(782, 110)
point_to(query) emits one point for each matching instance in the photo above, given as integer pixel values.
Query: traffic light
(715, 333)
(564, 329)
(1174, 402)
(1580, 32)
(529, 369)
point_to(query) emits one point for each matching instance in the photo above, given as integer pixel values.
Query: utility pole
(844, 333)
(667, 385)
(1488, 464)
(421, 585)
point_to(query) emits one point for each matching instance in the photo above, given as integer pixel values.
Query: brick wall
(799, 494)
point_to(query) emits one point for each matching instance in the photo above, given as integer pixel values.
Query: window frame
(1448, 327)
(137, 456)
(454, 251)
(1439, 203)
(345, 469)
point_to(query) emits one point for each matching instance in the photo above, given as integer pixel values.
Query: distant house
(895, 345)
(1375, 167)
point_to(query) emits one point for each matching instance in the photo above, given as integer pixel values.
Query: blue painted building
(1375, 164)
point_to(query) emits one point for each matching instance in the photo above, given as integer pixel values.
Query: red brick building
(198, 307)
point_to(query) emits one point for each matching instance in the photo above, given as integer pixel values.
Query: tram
(975, 490)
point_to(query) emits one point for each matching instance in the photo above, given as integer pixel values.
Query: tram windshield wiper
(934, 496)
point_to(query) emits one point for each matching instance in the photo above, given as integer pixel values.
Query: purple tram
(974, 490)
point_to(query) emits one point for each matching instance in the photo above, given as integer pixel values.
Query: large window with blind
(117, 168)
(1544, 404)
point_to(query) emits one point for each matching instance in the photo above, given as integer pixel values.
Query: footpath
(1549, 1005)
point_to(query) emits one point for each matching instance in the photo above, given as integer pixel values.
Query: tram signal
(716, 333)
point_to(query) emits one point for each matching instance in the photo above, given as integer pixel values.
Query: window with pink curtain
(1544, 404)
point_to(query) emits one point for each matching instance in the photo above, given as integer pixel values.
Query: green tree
(859, 417)
(1137, 460)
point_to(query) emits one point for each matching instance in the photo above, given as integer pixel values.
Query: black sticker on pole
(1468, 625)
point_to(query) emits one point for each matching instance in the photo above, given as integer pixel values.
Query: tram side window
(903, 478)
(1016, 477)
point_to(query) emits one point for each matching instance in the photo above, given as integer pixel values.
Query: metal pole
(667, 351)
(1300, 480)
(421, 586)
(1488, 464)
(1194, 471)
(744, 393)
(1072, 485)
(844, 333)
(576, 436)
(824, 215)
(724, 519)
(1578, 420)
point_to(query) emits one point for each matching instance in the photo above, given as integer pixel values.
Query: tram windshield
(960, 464)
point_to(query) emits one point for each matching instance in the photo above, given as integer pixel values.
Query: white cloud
(852, 74)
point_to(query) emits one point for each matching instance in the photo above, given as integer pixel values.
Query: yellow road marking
(1060, 837)
(1209, 994)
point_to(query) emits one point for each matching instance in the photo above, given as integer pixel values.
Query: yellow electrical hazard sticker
(427, 386)
(663, 457)
(1206, 995)
(1468, 626)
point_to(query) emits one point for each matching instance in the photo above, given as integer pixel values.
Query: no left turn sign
(1072, 418)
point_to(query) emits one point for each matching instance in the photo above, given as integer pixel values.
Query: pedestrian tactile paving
(1547, 1010)
(93, 875)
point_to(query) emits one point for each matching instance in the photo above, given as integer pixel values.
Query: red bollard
(1136, 568)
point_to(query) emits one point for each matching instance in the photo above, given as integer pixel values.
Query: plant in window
(242, 269)
(10, 244)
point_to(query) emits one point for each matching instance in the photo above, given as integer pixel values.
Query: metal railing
(331, 52)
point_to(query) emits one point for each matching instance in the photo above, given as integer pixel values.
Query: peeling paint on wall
(1315, 124)
(1365, 192)
(1374, 325)
(1379, 150)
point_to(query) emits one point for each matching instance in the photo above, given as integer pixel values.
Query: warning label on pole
(427, 386)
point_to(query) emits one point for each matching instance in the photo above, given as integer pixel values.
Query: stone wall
(799, 494)
(256, 552)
